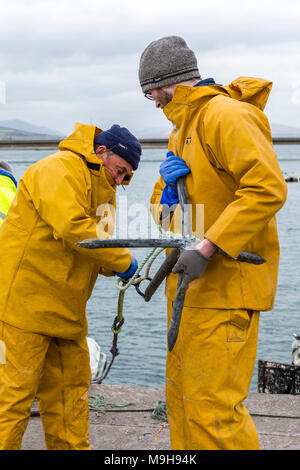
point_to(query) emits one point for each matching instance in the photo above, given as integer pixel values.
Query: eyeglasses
(148, 96)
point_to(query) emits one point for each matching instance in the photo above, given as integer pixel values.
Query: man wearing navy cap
(46, 280)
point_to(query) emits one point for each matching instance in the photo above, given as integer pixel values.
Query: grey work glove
(192, 263)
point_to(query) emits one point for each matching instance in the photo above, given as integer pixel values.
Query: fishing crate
(276, 377)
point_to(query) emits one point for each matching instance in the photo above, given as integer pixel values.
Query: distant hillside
(279, 130)
(14, 134)
(25, 126)
(19, 129)
(152, 133)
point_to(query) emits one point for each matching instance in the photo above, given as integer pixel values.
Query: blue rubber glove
(130, 271)
(172, 168)
(169, 196)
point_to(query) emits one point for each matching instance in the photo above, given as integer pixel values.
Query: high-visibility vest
(8, 188)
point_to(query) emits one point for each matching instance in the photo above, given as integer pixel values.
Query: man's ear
(100, 149)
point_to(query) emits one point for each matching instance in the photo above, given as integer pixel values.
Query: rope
(174, 236)
(123, 285)
(98, 403)
(160, 412)
(135, 279)
(151, 256)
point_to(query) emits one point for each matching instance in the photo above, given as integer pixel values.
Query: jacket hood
(251, 90)
(81, 141)
(248, 89)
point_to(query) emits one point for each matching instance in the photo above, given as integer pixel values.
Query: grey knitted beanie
(6, 167)
(165, 62)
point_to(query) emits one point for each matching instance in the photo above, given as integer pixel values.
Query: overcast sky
(73, 61)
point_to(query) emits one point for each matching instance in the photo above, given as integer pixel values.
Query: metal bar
(182, 287)
(186, 225)
(182, 284)
(244, 257)
(95, 243)
(161, 274)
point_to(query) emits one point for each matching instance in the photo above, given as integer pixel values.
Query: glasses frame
(148, 96)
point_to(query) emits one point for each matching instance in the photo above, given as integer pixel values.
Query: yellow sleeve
(237, 136)
(106, 273)
(61, 199)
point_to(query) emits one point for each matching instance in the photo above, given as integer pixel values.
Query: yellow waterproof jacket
(45, 279)
(224, 137)
(7, 193)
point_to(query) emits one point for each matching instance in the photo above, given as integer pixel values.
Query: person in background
(46, 281)
(8, 188)
(221, 142)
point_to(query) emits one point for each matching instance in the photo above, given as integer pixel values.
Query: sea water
(142, 340)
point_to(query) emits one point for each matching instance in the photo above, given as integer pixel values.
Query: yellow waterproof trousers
(54, 370)
(208, 376)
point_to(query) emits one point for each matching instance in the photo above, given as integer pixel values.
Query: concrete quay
(132, 427)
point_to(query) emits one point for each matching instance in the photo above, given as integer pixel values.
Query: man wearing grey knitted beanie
(221, 144)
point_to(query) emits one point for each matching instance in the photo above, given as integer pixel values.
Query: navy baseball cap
(120, 141)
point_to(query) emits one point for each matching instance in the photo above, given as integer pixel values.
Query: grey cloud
(28, 47)
(69, 60)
